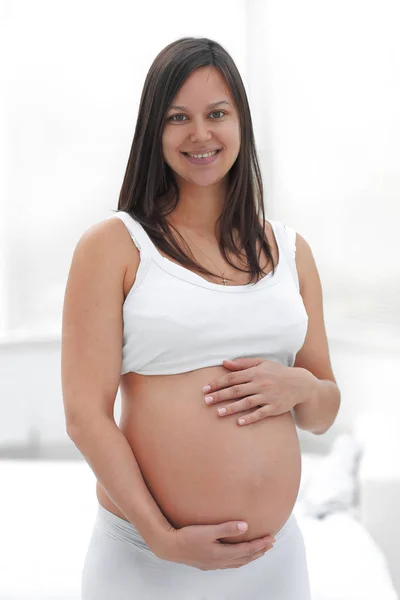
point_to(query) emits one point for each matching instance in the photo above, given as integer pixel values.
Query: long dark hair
(149, 190)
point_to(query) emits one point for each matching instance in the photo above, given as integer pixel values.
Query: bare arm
(91, 365)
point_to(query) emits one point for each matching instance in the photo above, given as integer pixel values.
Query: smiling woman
(197, 130)
(186, 497)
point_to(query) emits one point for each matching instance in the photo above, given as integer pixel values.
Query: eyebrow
(212, 105)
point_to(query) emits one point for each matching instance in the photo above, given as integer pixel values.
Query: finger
(268, 410)
(228, 380)
(239, 405)
(235, 392)
(249, 554)
(235, 366)
(241, 564)
(244, 550)
(254, 557)
(243, 363)
(246, 560)
(227, 529)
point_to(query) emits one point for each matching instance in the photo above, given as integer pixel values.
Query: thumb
(227, 529)
(242, 363)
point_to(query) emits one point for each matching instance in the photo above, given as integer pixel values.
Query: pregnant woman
(209, 318)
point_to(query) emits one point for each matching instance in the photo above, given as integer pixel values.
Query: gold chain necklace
(224, 280)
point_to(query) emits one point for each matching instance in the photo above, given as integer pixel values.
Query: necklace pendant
(224, 280)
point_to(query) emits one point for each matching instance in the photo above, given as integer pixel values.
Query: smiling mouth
(192, 154)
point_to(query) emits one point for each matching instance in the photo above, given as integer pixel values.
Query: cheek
(171, 144)
(231, 136)
(166, 142)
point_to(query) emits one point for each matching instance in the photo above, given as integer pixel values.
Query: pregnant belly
(205, 469)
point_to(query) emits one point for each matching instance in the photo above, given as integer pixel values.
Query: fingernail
(206, 388)
(222, 411)
(242, 526)
(208, 399)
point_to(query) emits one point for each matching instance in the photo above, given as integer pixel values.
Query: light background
(324, 89)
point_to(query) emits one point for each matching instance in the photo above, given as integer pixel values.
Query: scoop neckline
(181, 272)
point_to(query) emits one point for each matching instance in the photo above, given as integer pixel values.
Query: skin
(202, 188)
(202, 469)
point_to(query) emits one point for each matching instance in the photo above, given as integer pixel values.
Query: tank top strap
(287, 239)
(139, 236)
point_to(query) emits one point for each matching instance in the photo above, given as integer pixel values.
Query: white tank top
(175, 321)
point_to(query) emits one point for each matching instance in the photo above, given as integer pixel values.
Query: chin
(208, 184)
(204, 183)
(204, 180)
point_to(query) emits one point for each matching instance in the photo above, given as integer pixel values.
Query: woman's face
(201, 118)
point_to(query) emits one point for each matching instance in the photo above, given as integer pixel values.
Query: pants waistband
(125, 531)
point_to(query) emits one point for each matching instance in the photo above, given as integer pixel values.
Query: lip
(201, 151)
(203, 161)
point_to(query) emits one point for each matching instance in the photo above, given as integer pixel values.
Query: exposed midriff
(202, 468)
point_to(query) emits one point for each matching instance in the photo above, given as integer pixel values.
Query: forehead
(202, 87)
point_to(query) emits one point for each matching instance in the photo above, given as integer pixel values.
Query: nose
(200, 131)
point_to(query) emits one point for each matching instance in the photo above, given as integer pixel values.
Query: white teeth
(203, 155)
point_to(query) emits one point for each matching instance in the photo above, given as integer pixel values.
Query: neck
(199, 207)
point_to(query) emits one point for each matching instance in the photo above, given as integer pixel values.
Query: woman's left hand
(265, 385)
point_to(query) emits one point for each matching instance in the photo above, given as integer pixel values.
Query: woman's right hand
(199, 546)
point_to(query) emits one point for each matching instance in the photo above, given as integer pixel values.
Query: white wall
(33, 416)
(324, 92)
(74, 78)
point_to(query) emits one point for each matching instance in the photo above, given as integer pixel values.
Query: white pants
(119, 565)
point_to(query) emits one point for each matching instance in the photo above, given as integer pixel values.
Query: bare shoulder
(92, 323)
(110, 235)
(306, 267)
(314, 354)
(110, 241)
(305, 262)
